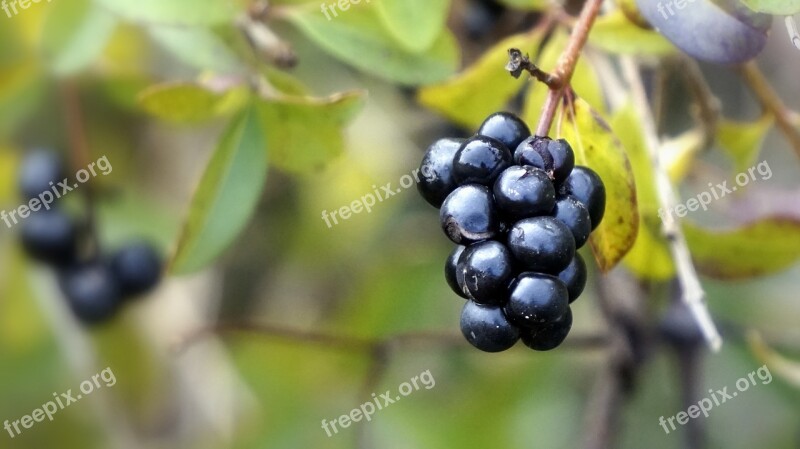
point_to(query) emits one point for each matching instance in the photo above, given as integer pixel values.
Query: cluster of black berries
(517, 220)
(94, 286)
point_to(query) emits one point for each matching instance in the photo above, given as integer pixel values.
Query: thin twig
(518, 63)
(771, 102)
(691, 290)
(707, 108)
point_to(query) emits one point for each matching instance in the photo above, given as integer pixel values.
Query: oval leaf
(742, 140)
(226, 197)
(190, 102)
(415, 24)
(777, 7)
(75, 33)
(174, 12)
(596, 147)
(614, 33)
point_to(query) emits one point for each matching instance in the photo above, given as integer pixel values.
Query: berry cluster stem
(566, 64)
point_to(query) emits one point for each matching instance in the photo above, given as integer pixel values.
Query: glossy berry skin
(574, 214)
(536, 299)
(553, 156)
(488, 269)
(436, 179)
(542, 244)
(505, 127)
(454, 276)
(524, 191)
(486, 328)
(548, 336)
(574, 277)
(39, 168)
(587, 187)
(468, 215)
(50, 237)
(136, 268)
(480, 160)
(91, 291)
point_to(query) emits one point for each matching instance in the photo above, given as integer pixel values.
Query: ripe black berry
(468, 214)
(50, 236)
(480, 160)
(487, 269)
(436, 179)
(574, 276)
(585, 185)
(39, 168)
(137, 268)
(547, 336)
(522, 192)
(454, 276)
(486, 328)
(505, 127)
(535, 299)
(574, 214)
(542, 244)
(552, 156)
(91, 291)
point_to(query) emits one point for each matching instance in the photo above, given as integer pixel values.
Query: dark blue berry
(137, 268)
(574, 214)
(436, 179)
(542, 244)
(454, 276)
(585, 185)
(505, 127)
(468, 215)
(480, 160)
(545, 337)
(574, 276)
(487, 270)
(536, 299)
(524, 191)
(50, 236)
(92, 292)
(486, 328)
(553, 156)
(39, 168)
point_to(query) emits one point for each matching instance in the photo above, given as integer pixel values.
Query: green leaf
(532, 5)
(415, 24)
(614, 33)
(75, 34)
(776, 7)
(358, 39)
(305, 133)
(226, 197)
(197, 47)
(766, 246)
(483, 88)
(742, 140)
(596, 147)
(174, 12)
(190, 102)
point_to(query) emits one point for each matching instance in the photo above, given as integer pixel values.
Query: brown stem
(771, 102)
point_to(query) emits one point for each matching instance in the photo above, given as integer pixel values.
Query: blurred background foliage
(230, 129)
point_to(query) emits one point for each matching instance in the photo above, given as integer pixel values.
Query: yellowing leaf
(614, 33)
(742, 140)
(484, 87)
(190, 102)
(785, 368)
(678, 153)
(762, 247)
(596, 147)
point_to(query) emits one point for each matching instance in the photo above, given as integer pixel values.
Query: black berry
(137, 268)
(488, 270)
(50, 236)
(542, 244)
(574, 276)
(574, 214)
(553, 156)
(547, 336)
(522, 192)
(486, 328)
(468, 214)
(436, 179)
(535, 299)
(585, 185)
(480, 160)
(39, 168)
(505, 127)
(454, 276)
(91, 291)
